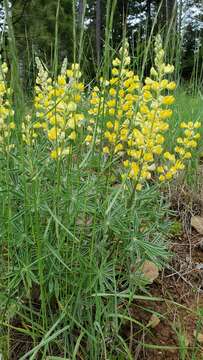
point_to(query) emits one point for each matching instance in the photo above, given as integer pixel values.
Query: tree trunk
(80, 13)
(149, 20)
(98, 30)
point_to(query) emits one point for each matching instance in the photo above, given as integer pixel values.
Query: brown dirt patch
(181, 283)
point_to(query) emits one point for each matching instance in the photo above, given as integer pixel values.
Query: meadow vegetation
(84, 208)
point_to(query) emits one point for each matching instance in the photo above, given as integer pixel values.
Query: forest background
(180, 23)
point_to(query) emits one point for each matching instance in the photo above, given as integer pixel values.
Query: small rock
(150, 270)
(154, 321)
(199, 337)
(197, 224)
(199, 266)
(200, 245)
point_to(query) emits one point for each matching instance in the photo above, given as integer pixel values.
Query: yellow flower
(171, 85)
(169, 156)
(106, 150)
(168, 100)
(162, 178)
(134, 170)
(118, 148)
(148, 157)
(112, 92)
(109, 125)
(116, 62)
(61, 80)
(115, 72)
(111, 111)
(53, 133)
(12, 125)
(168, 69)
(72, 135)
(56, 153)
(160, 169)
(164, 114)
(88, 138)
(126, 163)
(164, 84)
(71, 107)
(168, 175)
(139, 187)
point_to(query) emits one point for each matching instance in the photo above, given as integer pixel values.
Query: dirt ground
(181, 283)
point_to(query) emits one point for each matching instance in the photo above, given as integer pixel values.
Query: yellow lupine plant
(6, 111)
(132, 118)
(127, 119)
